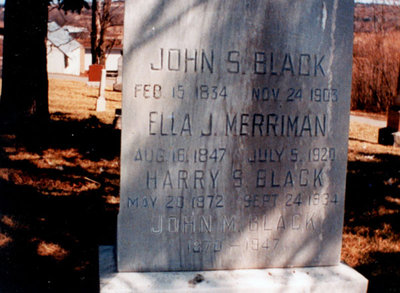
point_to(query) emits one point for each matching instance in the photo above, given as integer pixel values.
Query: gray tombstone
(117, 86)
(234, 133)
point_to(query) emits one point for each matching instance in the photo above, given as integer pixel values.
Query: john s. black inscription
(258, 62)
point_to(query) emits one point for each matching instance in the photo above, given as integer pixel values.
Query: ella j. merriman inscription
(234, 133)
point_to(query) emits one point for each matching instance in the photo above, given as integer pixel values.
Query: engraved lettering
(158, 229)
(290, 178)
(233, 59)
(260, 63)
(281, 224)
(287, 64)
(275, 125)
(209, 129)
(205, 224)
(182, 179)
(170, 125)
(318, 66)
(190, 59)
(229, 224)
(305, 65)
(173, 224)
(207, 61)
(172, 60)
(161, 61)
(237, 178)
(296, 222)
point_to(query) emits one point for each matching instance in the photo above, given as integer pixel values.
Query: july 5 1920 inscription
(234, 133)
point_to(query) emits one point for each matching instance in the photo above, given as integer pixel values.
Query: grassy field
(59, 199)
(75, 100)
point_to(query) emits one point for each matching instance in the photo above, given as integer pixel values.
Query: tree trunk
(94, 32)
(24, 99)
(101, 20)
(105, 23)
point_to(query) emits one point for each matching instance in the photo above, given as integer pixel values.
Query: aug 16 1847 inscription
(234, 139)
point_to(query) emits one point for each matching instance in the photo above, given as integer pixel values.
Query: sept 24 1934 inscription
(234, 139)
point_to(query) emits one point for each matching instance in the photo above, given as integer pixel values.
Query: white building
(111, 61)
(64, 54)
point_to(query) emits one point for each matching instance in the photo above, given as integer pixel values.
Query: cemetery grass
(59, 199)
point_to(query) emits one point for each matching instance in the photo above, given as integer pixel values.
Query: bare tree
(101, 21)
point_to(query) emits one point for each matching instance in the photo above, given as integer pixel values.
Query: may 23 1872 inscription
(234, 138)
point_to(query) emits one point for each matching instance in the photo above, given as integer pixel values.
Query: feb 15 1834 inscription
(234, 133)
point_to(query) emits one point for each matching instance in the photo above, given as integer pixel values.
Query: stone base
(93, 83)
(385, 136)
(393, 118)
(396, 139)
(101, 104)
(333, 279)
(117, 87)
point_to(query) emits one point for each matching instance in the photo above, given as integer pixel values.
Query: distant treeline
(375, 70)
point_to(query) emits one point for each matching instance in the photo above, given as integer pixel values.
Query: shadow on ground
(49, 237)
(373, 201)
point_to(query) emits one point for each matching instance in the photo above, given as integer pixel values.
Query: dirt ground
(59, 199)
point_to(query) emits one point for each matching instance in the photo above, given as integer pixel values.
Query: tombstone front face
(234, 138)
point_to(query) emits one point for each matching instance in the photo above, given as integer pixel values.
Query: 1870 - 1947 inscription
(234, 140)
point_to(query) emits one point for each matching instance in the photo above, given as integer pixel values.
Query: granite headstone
(235, 124)
(117, 86)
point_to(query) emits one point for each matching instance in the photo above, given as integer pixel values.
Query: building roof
(61, 39)
(74, 29)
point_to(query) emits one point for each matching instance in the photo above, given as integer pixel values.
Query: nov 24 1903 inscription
(234, 139)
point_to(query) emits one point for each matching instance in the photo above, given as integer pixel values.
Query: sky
(359, 1)
(376, 1)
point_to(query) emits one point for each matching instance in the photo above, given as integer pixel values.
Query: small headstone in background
(117, 122)
(118, 82)
(394, 122)
(94, 75)
(101, 100)
(390, 135)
